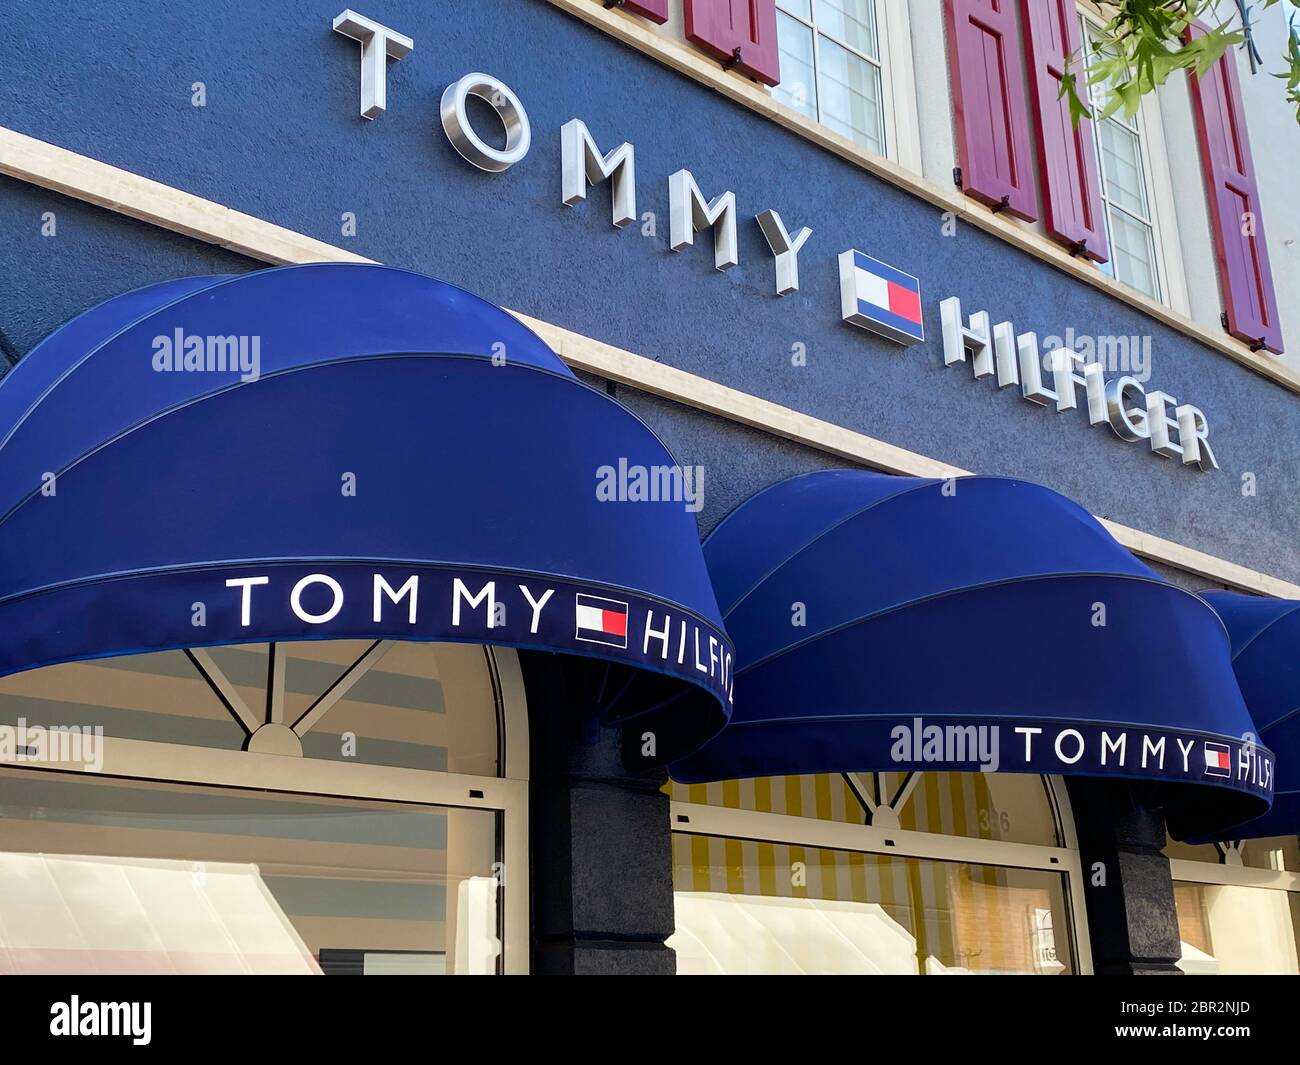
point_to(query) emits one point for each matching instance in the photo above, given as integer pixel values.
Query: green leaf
(1142, 43)
(1070, 90)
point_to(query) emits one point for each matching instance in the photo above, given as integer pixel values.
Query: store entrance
(382, 848)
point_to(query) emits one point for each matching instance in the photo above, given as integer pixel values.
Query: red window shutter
(654, 10)
(989, 105)
(1242, 256)
(1067, 156)
(741, 33)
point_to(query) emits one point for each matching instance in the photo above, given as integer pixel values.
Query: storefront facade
(752, 274)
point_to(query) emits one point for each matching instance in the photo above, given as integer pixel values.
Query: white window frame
(1229, 872)
(897, 78)
(699, 819)
(1227, 875)
(506, 794)
(1171, 279)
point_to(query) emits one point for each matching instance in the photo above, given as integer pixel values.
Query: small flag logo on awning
(601, 621)
(879, 298)
(1218, 760)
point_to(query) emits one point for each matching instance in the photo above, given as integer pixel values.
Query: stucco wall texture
(280, 138)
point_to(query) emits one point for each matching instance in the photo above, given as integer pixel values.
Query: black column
(602, 891)
(1132, 923)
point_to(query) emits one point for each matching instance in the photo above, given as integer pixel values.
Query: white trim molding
(894, 25)
(1232, 875)
(703, 820)
(1169, 244)
(91, 181)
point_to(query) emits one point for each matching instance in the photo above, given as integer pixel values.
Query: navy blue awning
(876, 619)
(1265, 635)
(393, 427)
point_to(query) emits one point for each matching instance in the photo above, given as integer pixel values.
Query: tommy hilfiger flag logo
(601, 621)
(877, 297)
(1218, 760)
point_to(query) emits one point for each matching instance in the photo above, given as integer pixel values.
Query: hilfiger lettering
(480, 607)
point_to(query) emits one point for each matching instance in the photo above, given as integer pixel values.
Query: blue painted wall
(280, 138)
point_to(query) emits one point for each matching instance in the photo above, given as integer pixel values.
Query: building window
(831, 66)
(1123, 161)
(1238, 906)
(365, 835)
(926, 873)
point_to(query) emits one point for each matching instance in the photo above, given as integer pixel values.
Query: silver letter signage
(1129, 423)
(1194, 434)
(985, 344)
(688, 214)
(785, 249)
(1130, 410)
(874, 295)
(378, 45)
(1159, 423)
(1070, 370)
(472, 147)
(581, 164)
(1031, 371)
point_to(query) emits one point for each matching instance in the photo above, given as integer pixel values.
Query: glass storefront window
(1274, 852)
(117, 874)
(747, 906)
(414, 705)
(1243, 927)
(1008, 807)
(423, 706)
(160, 697)
(128, 876)
(1237, 929)
(752, 898)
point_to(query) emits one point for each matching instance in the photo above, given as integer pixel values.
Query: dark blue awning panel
(876, 619)
(1265, 636)
(397, 429)
(301, 316)
(63, 350)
